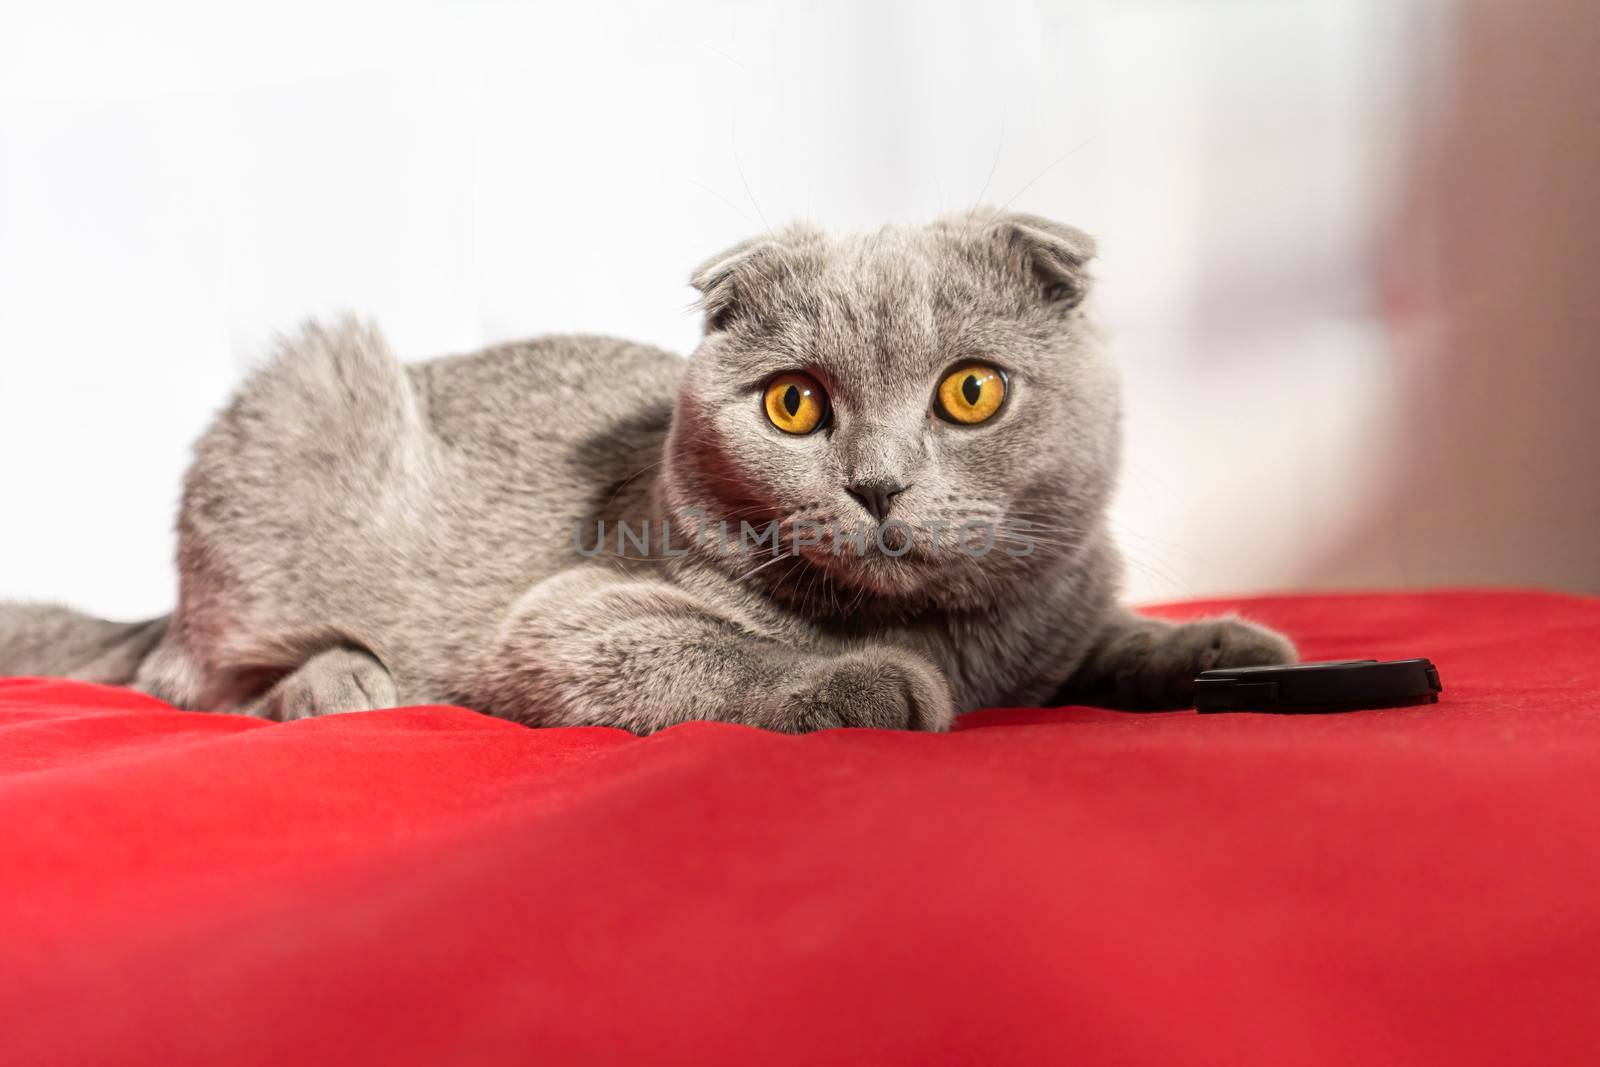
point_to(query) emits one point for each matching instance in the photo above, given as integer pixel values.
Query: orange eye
(972, 393)
(795, 403)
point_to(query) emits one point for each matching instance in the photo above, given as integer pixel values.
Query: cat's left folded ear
(1056, 255)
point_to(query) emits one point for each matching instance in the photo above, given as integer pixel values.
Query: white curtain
(179, 181)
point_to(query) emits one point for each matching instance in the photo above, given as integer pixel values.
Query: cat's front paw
(886, 689)
(1154, 667)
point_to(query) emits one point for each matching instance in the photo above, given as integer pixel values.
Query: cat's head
(946, 380)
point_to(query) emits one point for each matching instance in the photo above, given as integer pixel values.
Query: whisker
(999, 144)
(1051, 166)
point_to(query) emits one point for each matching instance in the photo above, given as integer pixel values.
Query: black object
(1308, 688)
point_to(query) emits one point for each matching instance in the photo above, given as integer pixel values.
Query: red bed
(427, 885)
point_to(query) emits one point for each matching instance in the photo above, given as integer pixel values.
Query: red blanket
(427, 885)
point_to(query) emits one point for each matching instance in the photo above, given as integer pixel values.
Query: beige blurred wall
(1492, 278)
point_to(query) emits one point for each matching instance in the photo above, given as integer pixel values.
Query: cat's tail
(48, 639)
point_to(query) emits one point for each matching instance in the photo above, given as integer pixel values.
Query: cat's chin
(909, 582)
(820, 564)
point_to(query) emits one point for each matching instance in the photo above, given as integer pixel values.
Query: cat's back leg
(331, 682)
(292, 516)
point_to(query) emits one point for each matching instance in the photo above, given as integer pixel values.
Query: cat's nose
(876, 496)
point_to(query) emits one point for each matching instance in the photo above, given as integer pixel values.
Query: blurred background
(1348, 246)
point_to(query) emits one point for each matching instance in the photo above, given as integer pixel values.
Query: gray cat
(356, 533)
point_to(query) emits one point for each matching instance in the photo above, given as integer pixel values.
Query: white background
(177, 182)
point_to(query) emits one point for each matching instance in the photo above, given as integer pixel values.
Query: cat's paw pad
(1158, 666)
(877, 688)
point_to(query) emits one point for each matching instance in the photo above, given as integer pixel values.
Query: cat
(358, 533)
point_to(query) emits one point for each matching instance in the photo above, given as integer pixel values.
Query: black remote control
(1310, 688)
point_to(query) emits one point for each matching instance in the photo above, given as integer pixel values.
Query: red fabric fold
(427, 885)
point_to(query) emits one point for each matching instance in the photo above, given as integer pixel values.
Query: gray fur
(48, 639)
(360, 533)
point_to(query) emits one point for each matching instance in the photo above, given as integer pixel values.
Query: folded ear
(716, 279)
(1057, 254)
(746, 277)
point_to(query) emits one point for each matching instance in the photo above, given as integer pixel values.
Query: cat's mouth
(905, 557)
(822, 554)
(908, 540)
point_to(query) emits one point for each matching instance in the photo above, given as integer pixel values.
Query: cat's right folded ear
(718, 280)
(735, 282)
